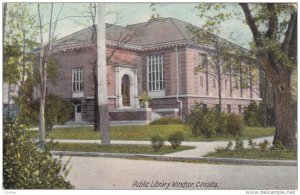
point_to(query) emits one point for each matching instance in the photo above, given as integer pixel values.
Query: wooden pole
(102, 76)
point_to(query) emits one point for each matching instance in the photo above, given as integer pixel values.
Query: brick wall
(75, 58)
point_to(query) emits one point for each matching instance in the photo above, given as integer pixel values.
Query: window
(229, 108)
(225, 84)
(217, 107)
(201, 82)
(240, 109)
(77, 79)
(214, 83)
(236, 85)
(12, 88)
(204, 106)
(203, 60)
(155, 73)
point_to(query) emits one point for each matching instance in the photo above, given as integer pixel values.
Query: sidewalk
(201, 148)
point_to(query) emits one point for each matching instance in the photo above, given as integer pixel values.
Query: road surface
(114, 173)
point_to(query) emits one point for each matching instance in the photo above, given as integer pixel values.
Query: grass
(132, 149)
(270, 154)
(145, 132)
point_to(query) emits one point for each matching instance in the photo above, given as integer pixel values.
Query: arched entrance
(126, 90)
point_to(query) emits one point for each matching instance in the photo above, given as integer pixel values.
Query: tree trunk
(42, 130)
(42, 69)
(219, 77)
(8, 100)
(285, 118)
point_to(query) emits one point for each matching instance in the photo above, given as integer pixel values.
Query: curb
(228, 161)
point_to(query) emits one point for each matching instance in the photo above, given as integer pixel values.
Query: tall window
(77, 79)
(236, 84)
(229, 108)
(240, 109)
(203, 60)
(214, 83)
(155, 73)
(201, 82)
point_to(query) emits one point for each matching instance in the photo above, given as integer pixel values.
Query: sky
(129, 13)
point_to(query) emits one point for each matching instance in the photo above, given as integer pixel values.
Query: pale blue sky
(130, 13)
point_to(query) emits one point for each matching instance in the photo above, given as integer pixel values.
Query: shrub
(254, 115)
(175, 139)
(167, 121)
(238, 145)
(228, 146)
(251, 144)
(234, 124)
(26, 167)
(264, 145)
(202, 121)
(157, 142)
(57, 111)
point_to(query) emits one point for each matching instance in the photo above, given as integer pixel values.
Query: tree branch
(289, 32)
(251, 22)
(56, 21)
(273, 21)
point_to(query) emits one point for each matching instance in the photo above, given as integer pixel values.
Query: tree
(44, 56)
(274, 30)
(19, 40)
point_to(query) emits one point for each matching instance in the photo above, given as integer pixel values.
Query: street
(114, 173)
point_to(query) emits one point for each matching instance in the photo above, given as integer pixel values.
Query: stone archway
(127, 86)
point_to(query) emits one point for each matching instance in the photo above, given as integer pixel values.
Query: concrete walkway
(201, 148)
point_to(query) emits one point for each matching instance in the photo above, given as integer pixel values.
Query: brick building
(158, 56)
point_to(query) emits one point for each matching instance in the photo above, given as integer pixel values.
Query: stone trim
(213, 97)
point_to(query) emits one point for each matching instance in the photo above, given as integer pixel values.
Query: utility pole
(102, 76)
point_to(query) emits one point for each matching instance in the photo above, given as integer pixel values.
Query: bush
(264, 145)
(167, 121)
(175, 139)
(228, 146)
(254, 115)
(234, 124)
(157, 142)
(57, 111)
(26, 167)
(238, 145)
(251, 144)
(202, 121)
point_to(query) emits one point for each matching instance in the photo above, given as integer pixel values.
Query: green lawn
(257, 154)
(132, 149)
(145, 132)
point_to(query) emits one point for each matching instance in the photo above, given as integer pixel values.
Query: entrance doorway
(78, 113)
(126, 90)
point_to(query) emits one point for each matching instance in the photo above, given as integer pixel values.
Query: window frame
(77, 80)
(155, 73)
